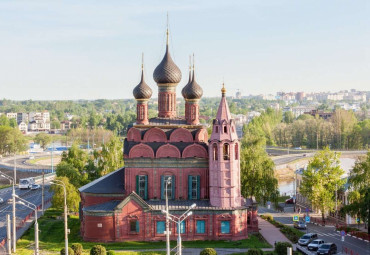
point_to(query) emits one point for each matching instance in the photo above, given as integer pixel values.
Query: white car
(314, 245)
(1, 200)
(35, 186)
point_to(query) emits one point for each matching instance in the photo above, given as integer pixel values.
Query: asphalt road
(33, 196)
(287, 159)
(327, 233)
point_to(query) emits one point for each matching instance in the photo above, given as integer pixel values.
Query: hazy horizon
(89, 50)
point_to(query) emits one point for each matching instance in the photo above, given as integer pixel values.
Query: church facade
(126, 204)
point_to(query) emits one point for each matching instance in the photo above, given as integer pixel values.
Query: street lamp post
(32, 207)
(178, 221)
(168, 181)
(13, 203)
(60, 183)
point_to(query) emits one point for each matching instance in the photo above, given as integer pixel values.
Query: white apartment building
(11, 115)
(39, 121)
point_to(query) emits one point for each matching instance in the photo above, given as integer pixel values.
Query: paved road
(327, 233)
(287, 159)
(34, 196)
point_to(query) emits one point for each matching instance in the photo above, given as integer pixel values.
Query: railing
(23, 221)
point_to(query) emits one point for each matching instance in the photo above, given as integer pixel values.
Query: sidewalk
(271, 233)
(195, 251)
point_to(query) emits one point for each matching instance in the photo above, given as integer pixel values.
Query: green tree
(4, 121)
(321, 179)
(359, 197)
(110, 158)
(55, 124)
(43, 139)
(11, 140)
(257, 171)
(288, 117)
(73, 197)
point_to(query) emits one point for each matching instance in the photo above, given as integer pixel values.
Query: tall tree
(73, 197)
(257, 171)
(110, 158)
(321, 180)
(43, 139)
(359, 197)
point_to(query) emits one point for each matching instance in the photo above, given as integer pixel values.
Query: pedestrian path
(271, 233)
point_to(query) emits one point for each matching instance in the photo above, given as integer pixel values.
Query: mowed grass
(51, 237)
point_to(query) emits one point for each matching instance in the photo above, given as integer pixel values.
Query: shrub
(281, 247)
(269, 217)
(63, 251)
(269, 253)
(77, 248)
(98, 250)
(208, 251)
(110, 252)
(254, 252)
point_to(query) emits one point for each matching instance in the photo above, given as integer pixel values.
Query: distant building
(22, 117)
(23, 127)
(65, 125)
(300, 110)
(238, 95)
(321, 114)
(299, 96)
(11, 115)
(39, 121)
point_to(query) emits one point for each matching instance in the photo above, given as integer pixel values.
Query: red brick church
(126, 204)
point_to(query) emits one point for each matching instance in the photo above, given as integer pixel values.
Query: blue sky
(92, 49)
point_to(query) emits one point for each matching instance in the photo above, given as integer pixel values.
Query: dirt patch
(47, 161)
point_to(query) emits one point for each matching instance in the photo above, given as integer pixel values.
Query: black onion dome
(183, 89)
(142, 90)
(192, 90)
(167, 71)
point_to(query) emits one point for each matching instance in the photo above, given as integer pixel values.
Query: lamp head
(15, 195)
(193, 206)
(21, 203)
(164, 211)
(189, 214)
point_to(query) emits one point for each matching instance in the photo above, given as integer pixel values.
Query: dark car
(327, 249)
(300, 225)
(289, 201)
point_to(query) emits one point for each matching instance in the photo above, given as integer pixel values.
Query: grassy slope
(52, 238)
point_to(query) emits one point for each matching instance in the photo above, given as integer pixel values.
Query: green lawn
(5, 186)
(52, 238)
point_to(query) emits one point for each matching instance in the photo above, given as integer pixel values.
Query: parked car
(300, 225)
(307, 238)
(289, 201)
(1, 200)
(315, 244)
(35, 186)
(327, 249)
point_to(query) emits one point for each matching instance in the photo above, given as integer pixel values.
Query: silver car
(314, 245)
(1, 200)
(307, 238)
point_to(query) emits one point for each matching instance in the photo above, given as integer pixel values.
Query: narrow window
(142, 186)
(226, 151)
(216, 129)
(134, 226)
(194, 187)
(236, 151)
(160, 227)
(169, 187)
(215, 152)
(182, 228)
(225, 129)
(201, 227)
(225, 227)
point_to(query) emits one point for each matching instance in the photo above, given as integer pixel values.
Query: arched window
(236, 151)
(226, 150)
(215, 152)
(225, 129)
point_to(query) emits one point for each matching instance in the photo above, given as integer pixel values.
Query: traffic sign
(342, 233)
(358, 220)
(307, 209)
(307, 219)
(295, 218)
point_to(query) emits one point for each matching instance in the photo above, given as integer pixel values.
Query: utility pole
(8, 234)
(168, 181)
(52, 160)
(60, 183)
(42, 191)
